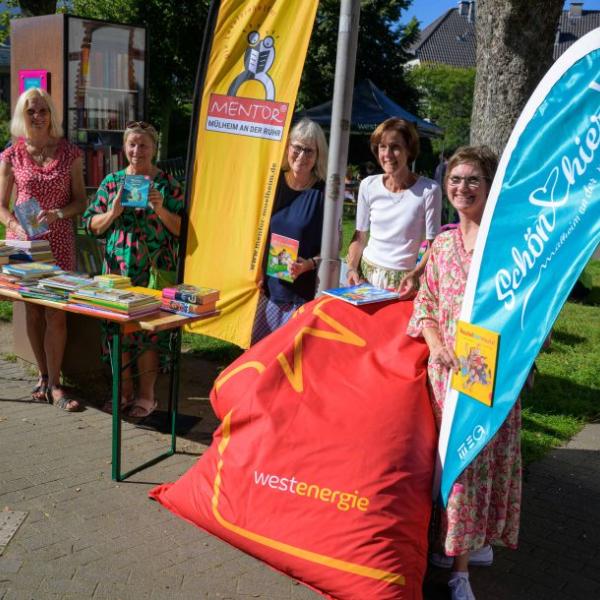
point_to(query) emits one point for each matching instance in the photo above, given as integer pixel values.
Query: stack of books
(10, 282)
(111, 281)
(24, 277)
(25, 251)
(60, 286)
(5, 252)
(190, 300)
(117, 302)
(31, 270)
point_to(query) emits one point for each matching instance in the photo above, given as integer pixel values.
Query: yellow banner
(249, 93)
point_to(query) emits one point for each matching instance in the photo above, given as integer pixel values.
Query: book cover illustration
(477, 351)
(135, 191)
(31, 269)
(191, 293)
(282, 251)
(187, 307)
(363, 293)
(27, 215)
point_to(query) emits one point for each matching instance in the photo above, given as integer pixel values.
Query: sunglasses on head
(137, 125)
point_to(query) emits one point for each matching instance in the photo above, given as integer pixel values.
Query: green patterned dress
(134, 241)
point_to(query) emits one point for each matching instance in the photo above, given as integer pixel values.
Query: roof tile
(450, 39)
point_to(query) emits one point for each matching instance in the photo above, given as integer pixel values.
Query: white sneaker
(460, 588)
(483, 557)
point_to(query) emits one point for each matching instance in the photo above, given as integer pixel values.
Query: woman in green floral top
(136, 239)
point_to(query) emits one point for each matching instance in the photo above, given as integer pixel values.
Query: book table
(120, 325)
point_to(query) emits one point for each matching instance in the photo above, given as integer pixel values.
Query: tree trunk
(515, 40)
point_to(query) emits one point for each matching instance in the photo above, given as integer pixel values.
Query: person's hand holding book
(48, 216)
(155, 200)
(15, 228)
(301, 265)
(440, 354)
(353, 277)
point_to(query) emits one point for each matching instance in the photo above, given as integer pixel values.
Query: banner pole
(329, 270)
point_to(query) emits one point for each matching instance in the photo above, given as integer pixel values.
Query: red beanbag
(323, 464)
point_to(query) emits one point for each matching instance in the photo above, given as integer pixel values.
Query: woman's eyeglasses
(472, 182)
(138, 125)
(297, 149)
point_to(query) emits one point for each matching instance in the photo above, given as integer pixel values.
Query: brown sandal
(64, 402)
(139, 412)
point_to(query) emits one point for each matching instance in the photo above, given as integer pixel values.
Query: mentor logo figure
(258, 58)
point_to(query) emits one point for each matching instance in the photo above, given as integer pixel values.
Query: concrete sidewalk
(86, 536)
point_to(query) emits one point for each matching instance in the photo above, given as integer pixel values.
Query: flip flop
(40, 392)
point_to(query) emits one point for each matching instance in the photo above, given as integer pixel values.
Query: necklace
(39, 155)
(401, 187)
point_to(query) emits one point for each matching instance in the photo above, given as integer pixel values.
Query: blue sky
(427, 11)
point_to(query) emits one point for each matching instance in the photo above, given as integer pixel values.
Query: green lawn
(567, 388)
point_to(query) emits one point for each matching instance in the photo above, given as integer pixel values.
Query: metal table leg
(174, 353)
(115, 364)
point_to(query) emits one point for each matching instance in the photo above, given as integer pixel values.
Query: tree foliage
(446, 98)
(175, 32)
(4, 124)
(32, 8)
(25, 8)
(382, 45)
(514, 50)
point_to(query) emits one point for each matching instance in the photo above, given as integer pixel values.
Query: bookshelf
(106, 79)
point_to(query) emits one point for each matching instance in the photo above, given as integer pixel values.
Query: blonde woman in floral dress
(41, 164)
(485, 502)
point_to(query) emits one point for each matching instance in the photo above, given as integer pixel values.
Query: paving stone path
(87, 537)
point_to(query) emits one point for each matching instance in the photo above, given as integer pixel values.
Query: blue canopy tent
(370, 106)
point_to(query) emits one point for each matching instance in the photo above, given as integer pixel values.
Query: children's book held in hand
(27, 214)
(363, 293)
(477, 351)
(282, 251)
(135, 191)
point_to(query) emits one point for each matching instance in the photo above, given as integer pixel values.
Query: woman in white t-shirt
(396, 212)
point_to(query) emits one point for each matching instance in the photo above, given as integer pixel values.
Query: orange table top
(159, 321)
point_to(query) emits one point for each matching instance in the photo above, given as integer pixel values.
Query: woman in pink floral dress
(41, 164)
(484, 504)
